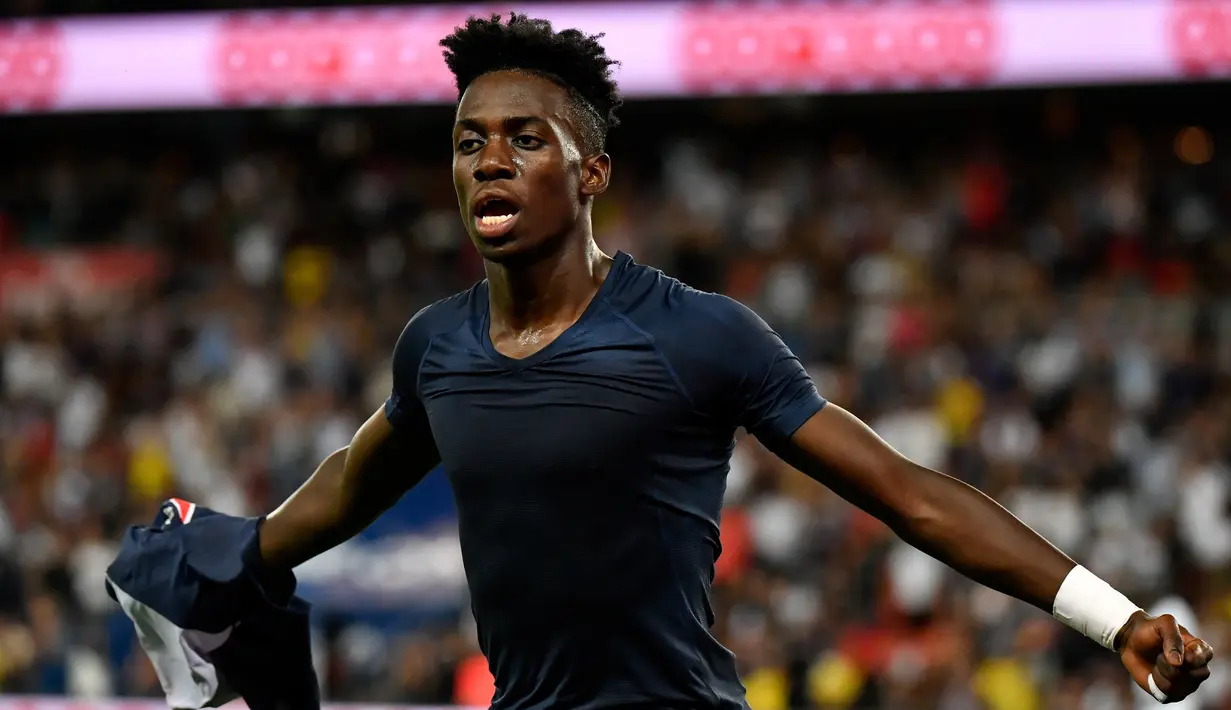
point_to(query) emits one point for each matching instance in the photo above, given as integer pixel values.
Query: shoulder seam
(436, 336)
(675, 378)
(419, 367)
(765, 378)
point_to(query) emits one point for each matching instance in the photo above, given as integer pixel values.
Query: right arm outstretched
(348, 491)
(388, 456)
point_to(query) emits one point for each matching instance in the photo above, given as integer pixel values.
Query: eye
(528, 142)
(468, 145)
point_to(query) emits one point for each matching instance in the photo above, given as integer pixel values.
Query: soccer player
(584, 408)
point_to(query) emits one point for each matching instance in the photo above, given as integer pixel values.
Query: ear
(595, 174)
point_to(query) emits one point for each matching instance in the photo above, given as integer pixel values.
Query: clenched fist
(1163, 658)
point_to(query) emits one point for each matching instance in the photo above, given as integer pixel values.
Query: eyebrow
(510, 123)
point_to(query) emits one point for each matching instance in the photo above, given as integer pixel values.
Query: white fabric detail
(187, 677)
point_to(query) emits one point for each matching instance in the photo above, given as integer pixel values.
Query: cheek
(556, 184)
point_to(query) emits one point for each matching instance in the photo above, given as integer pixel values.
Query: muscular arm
(771, 395)
(348, 491)
(776, 400)
(936, 513)
(970, 532)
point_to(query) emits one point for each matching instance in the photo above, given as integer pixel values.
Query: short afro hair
(570, 58)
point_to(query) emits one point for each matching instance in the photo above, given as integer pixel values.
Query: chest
(588, 412)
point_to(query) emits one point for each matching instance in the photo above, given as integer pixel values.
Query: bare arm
(771, 394)
(936, 513)
(348, 491)
(970, 532)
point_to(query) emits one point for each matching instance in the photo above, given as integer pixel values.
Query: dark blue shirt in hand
(589, 480)
(215, 624)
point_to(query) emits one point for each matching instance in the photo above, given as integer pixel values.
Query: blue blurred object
(427, 506)
(403, 571)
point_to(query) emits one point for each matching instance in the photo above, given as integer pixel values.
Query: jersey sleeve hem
(789, 421)
(393, 412)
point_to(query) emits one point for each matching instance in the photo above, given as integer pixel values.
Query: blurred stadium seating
(1029, 290)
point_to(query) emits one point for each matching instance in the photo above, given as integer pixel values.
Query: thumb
(1173, 643)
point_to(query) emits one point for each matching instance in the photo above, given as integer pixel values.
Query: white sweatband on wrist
(1159, 695)
(1092, 607)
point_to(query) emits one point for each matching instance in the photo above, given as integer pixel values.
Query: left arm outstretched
(962, 527)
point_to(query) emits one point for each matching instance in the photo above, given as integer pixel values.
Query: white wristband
(1092, 607)
(1159, 695)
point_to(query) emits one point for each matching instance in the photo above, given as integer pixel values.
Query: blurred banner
(35, 703)
(86, 280)
(407, 564)
(365, 56)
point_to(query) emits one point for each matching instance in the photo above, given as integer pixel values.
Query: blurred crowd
(1028, 291)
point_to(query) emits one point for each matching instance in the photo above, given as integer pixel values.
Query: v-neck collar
(618, 263)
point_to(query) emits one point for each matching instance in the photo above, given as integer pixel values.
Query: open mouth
(494, 218)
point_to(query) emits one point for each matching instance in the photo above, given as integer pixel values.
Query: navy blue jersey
(589, 480)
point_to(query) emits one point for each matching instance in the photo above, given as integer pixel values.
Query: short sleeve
(764, 387)
(403, 408)
(777, 394)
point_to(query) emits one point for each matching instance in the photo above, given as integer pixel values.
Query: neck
(547, 289)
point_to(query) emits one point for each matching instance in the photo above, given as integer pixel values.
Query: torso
(589, 487)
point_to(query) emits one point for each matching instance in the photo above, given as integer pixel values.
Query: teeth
(495, 218)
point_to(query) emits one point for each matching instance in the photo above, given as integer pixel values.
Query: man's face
(519, 173)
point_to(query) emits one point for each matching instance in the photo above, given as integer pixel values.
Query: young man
(584, 407)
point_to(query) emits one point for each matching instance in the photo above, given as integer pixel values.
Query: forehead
(496, 96)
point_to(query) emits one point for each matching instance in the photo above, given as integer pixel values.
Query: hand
(1161, 648)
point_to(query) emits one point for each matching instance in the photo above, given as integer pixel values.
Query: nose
(494, 163)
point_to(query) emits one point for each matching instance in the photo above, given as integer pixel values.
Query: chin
(499, 251)
(510, 248)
